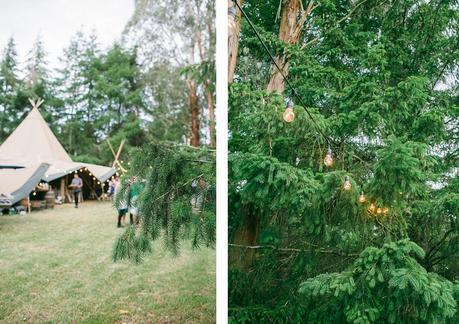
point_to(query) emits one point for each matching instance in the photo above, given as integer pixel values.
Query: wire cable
(294, 92)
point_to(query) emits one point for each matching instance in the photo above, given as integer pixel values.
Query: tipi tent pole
(62, 192)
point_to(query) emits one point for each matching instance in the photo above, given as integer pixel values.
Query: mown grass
(55, 267)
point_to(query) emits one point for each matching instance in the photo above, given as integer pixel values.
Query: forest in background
(157, 84)
(346, 213)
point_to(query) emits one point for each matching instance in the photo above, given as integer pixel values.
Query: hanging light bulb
(372, 208)
(385, 210)
(379, 210)
(328, 160)
(288, 114)
(34, 193)
(362, 198)
(347, 184)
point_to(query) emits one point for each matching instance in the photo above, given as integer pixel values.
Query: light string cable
(295, 93)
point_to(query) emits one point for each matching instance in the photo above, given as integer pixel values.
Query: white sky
(57, 20)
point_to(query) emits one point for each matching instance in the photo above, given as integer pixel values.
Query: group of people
(128, 203)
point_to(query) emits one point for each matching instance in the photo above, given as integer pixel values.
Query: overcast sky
(57, 20)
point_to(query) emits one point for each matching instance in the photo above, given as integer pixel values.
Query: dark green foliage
(411, 294)
(178, 201)
(380, 79)
(131, 245)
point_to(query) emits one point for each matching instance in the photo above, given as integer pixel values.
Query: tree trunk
(292, 21)
(293, 18)
(246, 234)
(233, 41)
(194, 113)
(211, 107)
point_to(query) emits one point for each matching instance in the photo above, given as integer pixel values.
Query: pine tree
(368, 75)
(9, 82)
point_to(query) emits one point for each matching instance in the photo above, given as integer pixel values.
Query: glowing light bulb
(328, 160)
(93, 178)
(362, 198)
(385, 210)
(288, 114)
(347, 184)
(34, 194)
(372, 208)
(90, 173)
(379, 210)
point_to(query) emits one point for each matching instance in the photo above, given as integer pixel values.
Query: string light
(372, 208)
(288, 114)
(379, 210)
(34, 193)
(328, 160)
(347, 184)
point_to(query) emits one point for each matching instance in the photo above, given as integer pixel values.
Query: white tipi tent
(33, 144)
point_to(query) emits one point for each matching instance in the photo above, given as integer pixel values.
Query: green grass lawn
(55, 266)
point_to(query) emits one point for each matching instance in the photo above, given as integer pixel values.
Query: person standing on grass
(122, 204)
(135, 189)
(76, 185)
(112, 186)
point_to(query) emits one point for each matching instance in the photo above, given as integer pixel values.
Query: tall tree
(9, 82)
(183, 34)
(380, 220)
(290, 29)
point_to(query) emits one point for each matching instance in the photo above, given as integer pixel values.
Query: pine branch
(181, 186)
(314, 40)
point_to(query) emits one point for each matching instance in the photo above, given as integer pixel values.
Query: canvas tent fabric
(33, 143)
(17, 184)
(7, 163)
